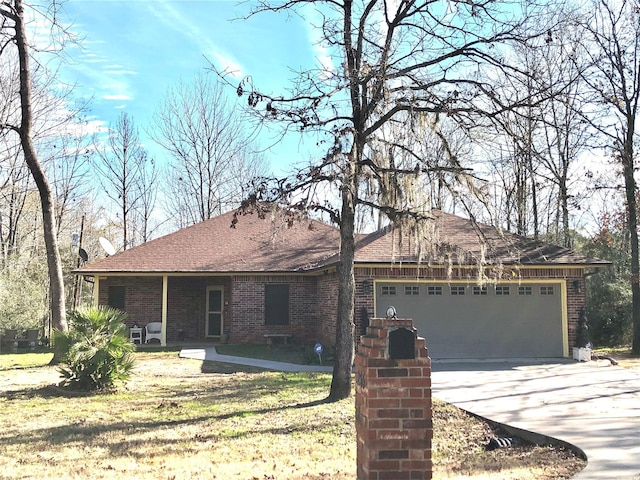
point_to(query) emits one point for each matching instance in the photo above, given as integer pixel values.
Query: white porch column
(96, 290)
(165, 289)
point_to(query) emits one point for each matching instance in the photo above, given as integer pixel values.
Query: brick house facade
(210, 276)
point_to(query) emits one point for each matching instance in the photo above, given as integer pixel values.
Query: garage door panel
(486, 326)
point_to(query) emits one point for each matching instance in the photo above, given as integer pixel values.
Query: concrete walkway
(211, 354)
(592, 405)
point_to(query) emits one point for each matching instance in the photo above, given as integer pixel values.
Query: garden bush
(95, 353)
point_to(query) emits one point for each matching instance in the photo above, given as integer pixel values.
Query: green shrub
(23, 295)
(96, 352)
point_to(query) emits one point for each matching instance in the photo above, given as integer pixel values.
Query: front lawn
(185, 419)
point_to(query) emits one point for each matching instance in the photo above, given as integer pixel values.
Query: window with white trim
(525, 290)
(502, 290)
(547, 290)
(411, 290)
(458, 290)
(434, 290)
(479, 290)
(388, 290)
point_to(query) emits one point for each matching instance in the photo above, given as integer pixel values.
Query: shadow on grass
(228, 368)
(84, 431)
(180, 405)
(262, 411)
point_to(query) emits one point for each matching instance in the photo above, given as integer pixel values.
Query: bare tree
(144, 223)
(402, 63)
(13, 35)
(612, 42)
(122, 164)
(518, 140)
(539, 143)
(566, 135)
(212, 156)
(14, 187)
(67, 161)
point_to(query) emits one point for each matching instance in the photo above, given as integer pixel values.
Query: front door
(215, 304)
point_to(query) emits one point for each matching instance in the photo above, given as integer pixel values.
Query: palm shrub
(95, 353)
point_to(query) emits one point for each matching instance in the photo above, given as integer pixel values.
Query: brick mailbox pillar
(393, 402)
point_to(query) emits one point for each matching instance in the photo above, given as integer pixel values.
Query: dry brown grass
(182, 419)
(459, 452)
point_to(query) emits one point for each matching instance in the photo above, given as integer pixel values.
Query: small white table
(135, 334)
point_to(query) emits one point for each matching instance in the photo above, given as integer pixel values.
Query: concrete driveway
(593, 405)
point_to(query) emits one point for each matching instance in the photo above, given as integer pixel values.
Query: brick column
(393, 403)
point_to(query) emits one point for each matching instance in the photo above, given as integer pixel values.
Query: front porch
(207, 309)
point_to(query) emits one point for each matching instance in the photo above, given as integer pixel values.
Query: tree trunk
(54, 263)
(564, 206)
(341, 381)
(632, 225)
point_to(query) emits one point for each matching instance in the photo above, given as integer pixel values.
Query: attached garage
(462, 320)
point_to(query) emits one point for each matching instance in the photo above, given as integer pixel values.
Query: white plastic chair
(153, 330)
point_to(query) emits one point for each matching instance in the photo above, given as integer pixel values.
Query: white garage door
(466, 321)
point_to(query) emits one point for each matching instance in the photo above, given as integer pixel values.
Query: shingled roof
(253, 245)
(275, 245)
(465, 243)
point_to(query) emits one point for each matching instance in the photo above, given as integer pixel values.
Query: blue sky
(132, 51)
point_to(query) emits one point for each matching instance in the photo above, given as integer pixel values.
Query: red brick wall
(248, 308)
(327, 288)
(142, 298)
(186, 307)
(364, 302)
(186, 303)
(394, 427)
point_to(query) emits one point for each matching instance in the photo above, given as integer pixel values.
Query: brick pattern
(248, 308)
(327, 294)
(393, 407)
(187, 305)
(142, 298)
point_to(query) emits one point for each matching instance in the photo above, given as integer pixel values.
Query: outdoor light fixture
(391, 312)
(576, 286)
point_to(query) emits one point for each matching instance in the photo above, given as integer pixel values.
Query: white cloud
(313, 24)
(175, 20)
(120, 71)
(227, 65)
(117, 97)
(92, 58)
